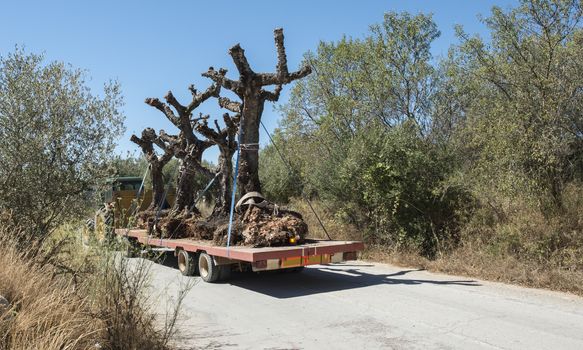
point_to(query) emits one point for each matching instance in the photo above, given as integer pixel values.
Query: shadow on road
(324, 279)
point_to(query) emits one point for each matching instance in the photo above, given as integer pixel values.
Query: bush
(404, 191)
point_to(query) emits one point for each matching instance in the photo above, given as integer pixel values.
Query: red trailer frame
(202, 255)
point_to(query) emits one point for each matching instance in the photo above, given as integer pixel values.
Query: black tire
(187, 262)
(225, 272)
(207, 269)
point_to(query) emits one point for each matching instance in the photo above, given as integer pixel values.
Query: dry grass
(477, 263)
(78, 300)
(47, 312)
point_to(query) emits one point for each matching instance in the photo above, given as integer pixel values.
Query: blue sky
(152, 47)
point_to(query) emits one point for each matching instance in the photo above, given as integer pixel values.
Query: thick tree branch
(205, 130)
(232, 106)
(282, 71)
(219, 136)
(174, 103)
(146, 142)
(273, 78)
(271, 96)
(164, 108)
(282, 75)
(197, 99)
(238, 55)
(220, 78)
(174, 143)
(138, 141)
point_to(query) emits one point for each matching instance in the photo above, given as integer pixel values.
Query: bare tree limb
(238, 55)
(220, 78)
(232, 106)
(271, 96)
(164, 108)
(197, 99)
(282, 71)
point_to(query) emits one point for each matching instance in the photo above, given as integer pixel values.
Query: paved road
(372, 306)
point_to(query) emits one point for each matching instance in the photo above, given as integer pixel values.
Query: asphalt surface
(360, 305)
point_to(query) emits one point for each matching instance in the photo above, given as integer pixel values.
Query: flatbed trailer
(215, 262)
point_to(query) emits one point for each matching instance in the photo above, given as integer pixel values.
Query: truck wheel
(209, 272)
(225, 272)
(186, 262)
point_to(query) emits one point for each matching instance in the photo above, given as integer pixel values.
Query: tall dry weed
(66, 297)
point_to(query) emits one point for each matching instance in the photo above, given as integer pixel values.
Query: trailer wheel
(186, 262)
(225, 272)
(208, 270)
(130, 247)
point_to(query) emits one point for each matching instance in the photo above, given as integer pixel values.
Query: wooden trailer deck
(311, 252)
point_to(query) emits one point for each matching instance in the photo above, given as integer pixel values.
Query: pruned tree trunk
(187, 146)
(225, 139)
(185, 192)
(223, 202)
(156, 173)
(157, 163)
(250, 89)
(248, 180)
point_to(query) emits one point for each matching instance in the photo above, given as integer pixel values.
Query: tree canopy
(414, 149)
(56, 138)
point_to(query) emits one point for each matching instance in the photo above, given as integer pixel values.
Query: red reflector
(349, 256)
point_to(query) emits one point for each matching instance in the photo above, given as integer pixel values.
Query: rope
(250, 147)
(292, 172)
(198, 196)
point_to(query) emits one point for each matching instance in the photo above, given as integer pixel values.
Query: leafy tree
(524, 102)
(128, 165)
(357, 132)
(55, 140)
(280, 183)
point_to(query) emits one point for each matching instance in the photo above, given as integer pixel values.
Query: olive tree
(250, 88)
(55, 139)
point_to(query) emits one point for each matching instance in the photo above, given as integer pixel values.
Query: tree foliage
(356, 133)
(411, 148)
(55, 139)
(526, 119)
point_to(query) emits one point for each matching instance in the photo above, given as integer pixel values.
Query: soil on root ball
(257, 227)
(265, 229)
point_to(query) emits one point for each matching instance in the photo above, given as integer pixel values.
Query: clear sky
(152, 47)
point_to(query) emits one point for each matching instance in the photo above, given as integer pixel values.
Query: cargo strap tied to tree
(250, 147)
(235, 175)
(198, 197)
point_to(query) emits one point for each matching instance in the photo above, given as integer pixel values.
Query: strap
(236, 174)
